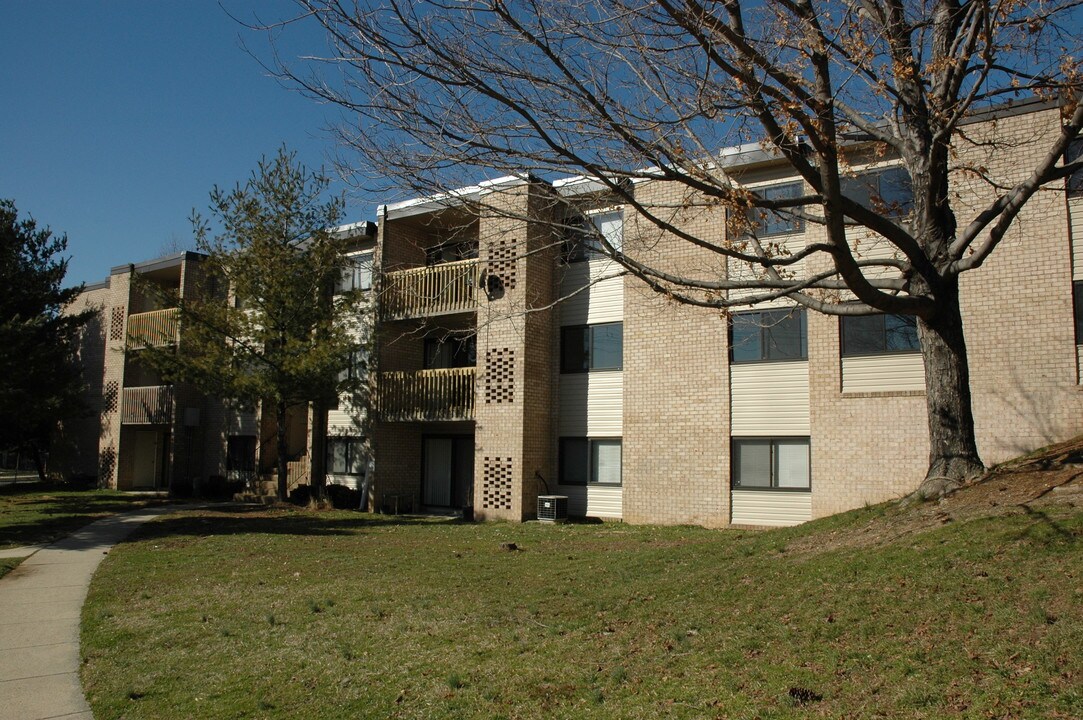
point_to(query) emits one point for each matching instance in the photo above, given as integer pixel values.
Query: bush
(301, 495)
(343, 498)
(218, 487)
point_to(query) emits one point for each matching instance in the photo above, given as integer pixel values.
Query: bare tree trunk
(953, 451)
(39, 463)
(317, 474)
(283, 486)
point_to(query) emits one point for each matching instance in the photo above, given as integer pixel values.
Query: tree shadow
(1045, 530)
(256, 520)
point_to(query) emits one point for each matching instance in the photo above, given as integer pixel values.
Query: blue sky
(119, 117)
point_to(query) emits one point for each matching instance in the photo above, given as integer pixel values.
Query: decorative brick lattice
(107, 462)
(111, 396)
(500, 376)
(502, 262)
(497, 483)
(116, 324)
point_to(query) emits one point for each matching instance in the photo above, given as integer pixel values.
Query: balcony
(153, 329)
(438, 290)
(426, 395)
(151, 405)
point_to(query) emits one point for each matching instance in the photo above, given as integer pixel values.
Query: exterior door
(147, 459)
(448, 471)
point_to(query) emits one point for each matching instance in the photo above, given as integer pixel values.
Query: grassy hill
(971, 607)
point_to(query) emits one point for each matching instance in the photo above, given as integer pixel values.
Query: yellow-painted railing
(427, 395)
(151, 405)
(437, 290)
(159, 327)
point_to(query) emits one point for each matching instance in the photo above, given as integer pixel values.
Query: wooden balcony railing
(150, 405)
(438, 290)
(156, 328)
(426, 395)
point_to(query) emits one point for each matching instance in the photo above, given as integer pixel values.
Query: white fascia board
(452, 198)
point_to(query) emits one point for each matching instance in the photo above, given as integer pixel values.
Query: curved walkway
(40, 604)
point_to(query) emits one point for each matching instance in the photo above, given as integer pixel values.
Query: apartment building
(144, 433)
(512, 364)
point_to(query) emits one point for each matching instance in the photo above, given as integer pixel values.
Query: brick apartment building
(512, 361)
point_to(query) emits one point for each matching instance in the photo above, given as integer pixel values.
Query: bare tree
(445, 93)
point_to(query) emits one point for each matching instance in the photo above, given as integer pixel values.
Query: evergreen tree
(40, 379)
(265, 325)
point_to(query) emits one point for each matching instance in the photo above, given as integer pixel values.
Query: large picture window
(771, 463)
(584, 348)
(879, 334)
(768, 335)
(767, 222)
(590, 461)
(450, 352)
(888, 192)
(345, 456)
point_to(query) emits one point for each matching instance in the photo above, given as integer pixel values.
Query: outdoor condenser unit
(552, 508)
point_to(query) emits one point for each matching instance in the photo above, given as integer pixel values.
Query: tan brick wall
(676, 380)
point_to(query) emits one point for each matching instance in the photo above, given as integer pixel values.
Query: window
(1075, 180)
(240, 456)
(768, 335)
(1077, 301)
(879, 334)
(592, 347)
(767, 222)
(451, 252)
(349, 376)
(453, 352)
(771, 464)
(590, 461)
(586, 243)
(357, 275)
(888, 192)
(345, 456)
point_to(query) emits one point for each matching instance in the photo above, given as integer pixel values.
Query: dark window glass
(241, 453)
(770, 222)
(450, 352)
(590, 460)
(1077, 298)
(1075, 180)
(876, 334)
(888, 192)
(451, 252)
(345, 456)
(768, 335)
(583, 235)
(771, 463)
(574, 461)
(592, 347)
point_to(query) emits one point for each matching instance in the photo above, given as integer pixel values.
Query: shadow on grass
(255, 520)
(41, 513)
(1047, 531)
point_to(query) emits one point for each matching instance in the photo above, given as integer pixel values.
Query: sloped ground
(967, 608)
(1026, 485)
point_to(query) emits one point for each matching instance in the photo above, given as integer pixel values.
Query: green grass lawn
(276, 614)
(34, 513)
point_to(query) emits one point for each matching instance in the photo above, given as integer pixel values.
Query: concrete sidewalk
(40, 604)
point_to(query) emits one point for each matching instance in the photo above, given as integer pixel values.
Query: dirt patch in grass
(1052, 475)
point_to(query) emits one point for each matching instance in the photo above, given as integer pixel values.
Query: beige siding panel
(1079, 363)
(753, 507)
(350, 481)
(592, 404)
(787, 245)
(883, 373)
(341, 422)
(1075, 211)
(769, 399)
(601, 501)
(586, 304)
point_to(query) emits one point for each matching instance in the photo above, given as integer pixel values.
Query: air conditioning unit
(552, 508)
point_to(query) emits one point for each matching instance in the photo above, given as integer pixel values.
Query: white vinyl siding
(770, 507)
(1079, 363)
(587, 304)
(1075, 210)
(883, 373)
(769, 398)
(341, 421)
(600, 501)
(592, 404)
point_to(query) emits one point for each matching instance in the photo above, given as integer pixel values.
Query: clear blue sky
(120, 116)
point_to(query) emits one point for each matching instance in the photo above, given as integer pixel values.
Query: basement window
(590, 461)
(771, 464)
